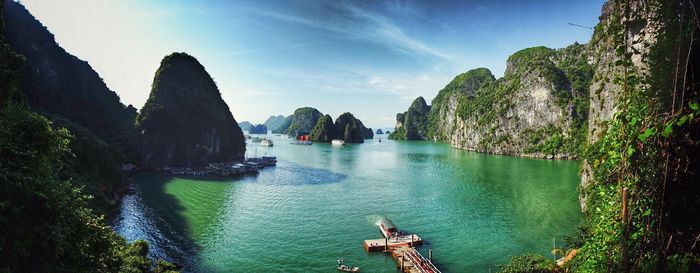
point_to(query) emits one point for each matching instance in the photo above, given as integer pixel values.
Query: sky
(370, 58)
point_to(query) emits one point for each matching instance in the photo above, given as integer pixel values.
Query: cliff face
(68, 91)
(302, 121)
(351, 130)
(346, 127)
(414, 122)
(645, 29)
(185, 122)
(325, 130)
(539, 107)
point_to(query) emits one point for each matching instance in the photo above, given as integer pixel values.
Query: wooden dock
(409, 260)
(387, 244)
(402, 249)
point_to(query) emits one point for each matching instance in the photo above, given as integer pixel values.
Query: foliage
(303, 121)
(350, 129)
(325, 130)
(185, 121)
(42, 216)
(45, 222)
(647, 154)
(69, 92)
(465, 86)
(530, 263)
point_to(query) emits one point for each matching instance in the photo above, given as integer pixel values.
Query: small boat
(302, 142)
(266, 142)
(380, 140)
(346, 268)
(338, 142)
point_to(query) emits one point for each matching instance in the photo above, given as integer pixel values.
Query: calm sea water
(321, 202)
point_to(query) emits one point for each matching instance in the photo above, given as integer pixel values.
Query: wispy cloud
(362, 25)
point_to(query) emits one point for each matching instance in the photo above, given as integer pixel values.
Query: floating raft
(386, 244)
(402, 249)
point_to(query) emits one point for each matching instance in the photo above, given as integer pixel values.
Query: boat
(338, 142)
(345, 268)
(266, 142)
(302, 142)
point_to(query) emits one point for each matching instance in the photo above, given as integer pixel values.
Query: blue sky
(370, 58)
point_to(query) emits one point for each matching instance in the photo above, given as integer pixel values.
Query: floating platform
(402, 249)
(387, 244)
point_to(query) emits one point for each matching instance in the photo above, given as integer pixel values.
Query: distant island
(258, 129)
(245, 125)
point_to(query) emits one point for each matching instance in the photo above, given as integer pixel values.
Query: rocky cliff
(414, 122)
(67, 90)
(185, 122)
(351, 129)
(538, 108)
(645, 27)
(325, 130)
(346, 127)
(302, 121)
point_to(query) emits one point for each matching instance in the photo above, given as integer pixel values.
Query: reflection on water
(321, 202)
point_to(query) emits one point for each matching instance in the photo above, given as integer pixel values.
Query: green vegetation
(464, 87)
(73, 97)
(45, 222)
(302, 121)
(643, 199)
(185, 122)
(325, 130)
(351, 130)
(530, 263)
(640, 185)
(414, 122)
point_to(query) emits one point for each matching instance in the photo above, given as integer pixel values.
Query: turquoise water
(321, 202)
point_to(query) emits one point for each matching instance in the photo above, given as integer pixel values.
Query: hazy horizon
(269, 58)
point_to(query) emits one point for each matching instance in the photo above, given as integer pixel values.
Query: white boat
(338, 142)
(266, 142)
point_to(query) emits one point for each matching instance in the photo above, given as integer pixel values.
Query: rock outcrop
(274, 121)
(538, 108)
(346, 127)
(351, 130)
(301, 122)
(258, 129)
(647, 30)
(380, 132)
(185, 122)
(413, 123)
(325, 130)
